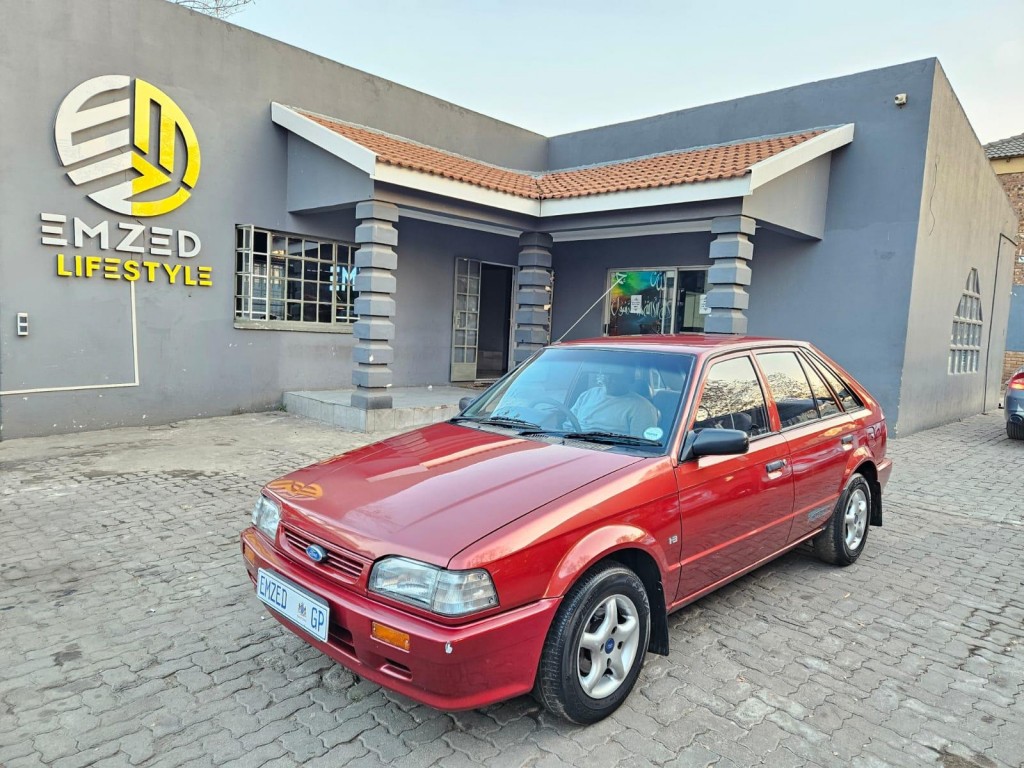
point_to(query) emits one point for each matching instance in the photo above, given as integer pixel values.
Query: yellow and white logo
(117, 139)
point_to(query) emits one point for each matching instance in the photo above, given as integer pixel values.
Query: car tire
(581, 678)
(846, 533)
(1014, 431)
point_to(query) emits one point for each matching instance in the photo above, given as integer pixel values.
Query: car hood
(430, 493)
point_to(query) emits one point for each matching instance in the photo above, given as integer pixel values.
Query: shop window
(965, 338)
(655, 300)
(290, 281)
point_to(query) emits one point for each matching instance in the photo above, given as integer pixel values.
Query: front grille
(339, 563)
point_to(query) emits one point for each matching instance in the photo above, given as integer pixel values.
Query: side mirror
(718, 442)
(465, 402)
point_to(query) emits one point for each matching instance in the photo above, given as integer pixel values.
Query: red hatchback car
(538, 541)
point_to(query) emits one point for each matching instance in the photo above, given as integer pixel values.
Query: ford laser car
(538, 540)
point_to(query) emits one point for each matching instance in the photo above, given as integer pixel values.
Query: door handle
(775, 466)
(847, 441)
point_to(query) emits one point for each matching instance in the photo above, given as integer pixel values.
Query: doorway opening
(482, 320)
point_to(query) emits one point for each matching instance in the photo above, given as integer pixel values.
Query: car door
(819, 434)
(734, 509)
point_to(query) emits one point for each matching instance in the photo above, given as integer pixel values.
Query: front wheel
(596, 645)
(844, 537)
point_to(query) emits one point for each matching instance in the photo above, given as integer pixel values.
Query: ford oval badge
(316, 553)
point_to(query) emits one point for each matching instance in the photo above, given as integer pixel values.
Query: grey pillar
(729, 275)
(533, 297)
(376, 261)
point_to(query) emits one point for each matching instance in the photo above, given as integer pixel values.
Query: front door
(481, 320)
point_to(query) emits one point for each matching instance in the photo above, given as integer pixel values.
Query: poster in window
(636, 303)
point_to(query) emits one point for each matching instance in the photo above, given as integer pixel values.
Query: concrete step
(412, 407)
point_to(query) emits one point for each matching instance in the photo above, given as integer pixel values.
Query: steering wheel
(561, 410)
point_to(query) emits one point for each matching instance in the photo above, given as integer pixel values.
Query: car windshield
(620, 397)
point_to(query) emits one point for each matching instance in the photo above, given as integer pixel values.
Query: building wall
(848, 292)
(581, 273)
(425, 294)
(957, 179)
(191, 360)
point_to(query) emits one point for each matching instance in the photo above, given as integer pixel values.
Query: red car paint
(537, 513)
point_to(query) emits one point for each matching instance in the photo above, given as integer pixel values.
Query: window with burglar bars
(965, 340)
(283, 280)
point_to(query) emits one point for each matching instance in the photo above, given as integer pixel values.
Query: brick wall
(1011, 363)
(1013, 183)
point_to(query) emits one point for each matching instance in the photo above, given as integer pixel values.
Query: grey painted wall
(866, 96)
(957, 178)
(425, 295)
(192, 361)
(581, 273)
(848, 292)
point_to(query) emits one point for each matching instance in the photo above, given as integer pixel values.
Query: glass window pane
(825, 400)
(732, 399)
(327, 251)
(789, 387)
(260, 241)
(846, 396)
(278, 245)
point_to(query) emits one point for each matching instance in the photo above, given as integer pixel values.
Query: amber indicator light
(390, 636)
(249, 555)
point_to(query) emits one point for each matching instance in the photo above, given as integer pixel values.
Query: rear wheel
(596, 645)
(844, 537)
(1014, 431)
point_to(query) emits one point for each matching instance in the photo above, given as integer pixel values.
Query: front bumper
(449, 668)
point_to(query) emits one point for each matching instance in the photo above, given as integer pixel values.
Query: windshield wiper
(500, 421)
(611, 438)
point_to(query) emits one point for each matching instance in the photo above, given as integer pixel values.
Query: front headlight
(266, 515)
(449, 593)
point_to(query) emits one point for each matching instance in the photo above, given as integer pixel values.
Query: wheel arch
(630, 547)
(870, 473)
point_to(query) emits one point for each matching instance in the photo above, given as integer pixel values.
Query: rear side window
(823, 398)
(732, 399)
(849, 400)
(789, 387)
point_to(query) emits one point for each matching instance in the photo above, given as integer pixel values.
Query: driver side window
(732, 399)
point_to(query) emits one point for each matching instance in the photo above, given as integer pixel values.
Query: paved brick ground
(129, 633)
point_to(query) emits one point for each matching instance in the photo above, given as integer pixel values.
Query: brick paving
(129, 634)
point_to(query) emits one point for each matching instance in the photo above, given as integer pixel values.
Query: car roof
(694, 343)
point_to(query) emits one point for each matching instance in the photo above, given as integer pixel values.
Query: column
(376, 261)
(533, 297)
(729, 276)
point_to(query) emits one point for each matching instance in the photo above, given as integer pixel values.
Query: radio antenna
(599, 300)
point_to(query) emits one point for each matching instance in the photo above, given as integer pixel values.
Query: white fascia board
(352, 153)
(773, 167)
(643, 198)
(460, 190)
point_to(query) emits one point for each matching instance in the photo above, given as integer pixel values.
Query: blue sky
(561, 65)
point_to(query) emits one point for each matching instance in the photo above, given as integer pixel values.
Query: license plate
(294, 603)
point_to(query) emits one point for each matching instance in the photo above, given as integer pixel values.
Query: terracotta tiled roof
(725, 161)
